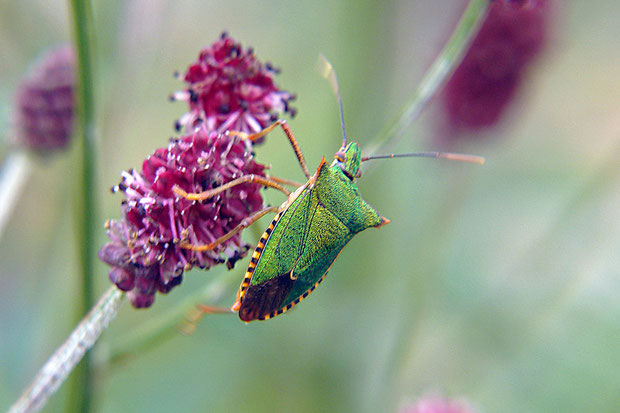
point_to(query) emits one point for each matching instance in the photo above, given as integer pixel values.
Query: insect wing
(271, 274)
(304, 242)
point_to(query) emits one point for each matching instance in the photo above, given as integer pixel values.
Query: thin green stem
(160, 329)
(442, 67)
(81, 382)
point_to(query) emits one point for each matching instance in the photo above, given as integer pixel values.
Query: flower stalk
(437, 74)
(64, 360)
(159, 329)
(85, 205)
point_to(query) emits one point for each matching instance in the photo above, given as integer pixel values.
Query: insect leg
(255, 179)
(286, 181)
(242, 225)
(289, 135)
(194, 315)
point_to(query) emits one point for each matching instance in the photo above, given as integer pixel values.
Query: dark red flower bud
(487, 79)
(44, 103)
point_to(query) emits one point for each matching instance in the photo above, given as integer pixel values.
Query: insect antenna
(444, 155)
(327, 71)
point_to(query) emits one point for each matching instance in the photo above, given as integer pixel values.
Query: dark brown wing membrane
(262, 299)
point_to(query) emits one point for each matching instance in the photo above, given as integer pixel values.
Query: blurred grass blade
(437, 74)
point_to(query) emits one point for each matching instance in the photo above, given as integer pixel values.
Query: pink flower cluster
(229, 89)
(145, 250)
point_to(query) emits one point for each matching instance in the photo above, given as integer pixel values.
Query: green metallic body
(312, 231)
(316, 223)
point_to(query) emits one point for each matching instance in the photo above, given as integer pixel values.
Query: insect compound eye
(339, 156)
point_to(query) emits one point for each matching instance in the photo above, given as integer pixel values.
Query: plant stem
(440, 70)
(84, 206)
(160, 329)
(15, 171)
(63, 361)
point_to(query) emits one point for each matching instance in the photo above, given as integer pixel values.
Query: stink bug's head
(348, 158)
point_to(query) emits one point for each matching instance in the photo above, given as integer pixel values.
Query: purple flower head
(145, 250)
(487, 79)
(229, 89)
(437, 405)
(44, 102)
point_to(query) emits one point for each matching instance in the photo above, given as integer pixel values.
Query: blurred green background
(498, 284)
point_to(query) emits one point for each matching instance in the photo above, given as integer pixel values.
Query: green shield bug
(310, 228)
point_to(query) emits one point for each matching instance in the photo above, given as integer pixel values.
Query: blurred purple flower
(44, 102)
(229, 89)
(487, 79)
(144, 249)
(437, 405)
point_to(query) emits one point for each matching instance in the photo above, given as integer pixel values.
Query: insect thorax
(342, 198)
